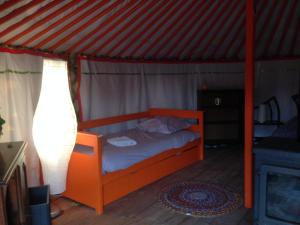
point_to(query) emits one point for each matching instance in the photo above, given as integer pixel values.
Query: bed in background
(290, 129)
(88, 184)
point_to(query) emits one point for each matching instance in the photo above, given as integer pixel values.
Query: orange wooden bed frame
(88, 185)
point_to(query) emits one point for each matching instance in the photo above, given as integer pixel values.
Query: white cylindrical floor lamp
(54, 125)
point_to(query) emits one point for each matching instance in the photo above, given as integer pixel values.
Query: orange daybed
(88, 185)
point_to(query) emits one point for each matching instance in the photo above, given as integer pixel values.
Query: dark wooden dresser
(13, 184)
(224, 115)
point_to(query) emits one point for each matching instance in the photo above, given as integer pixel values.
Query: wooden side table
(13, 184)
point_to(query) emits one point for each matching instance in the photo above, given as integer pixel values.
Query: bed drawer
(147, 175)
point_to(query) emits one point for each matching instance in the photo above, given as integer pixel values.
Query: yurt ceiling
(151, 29)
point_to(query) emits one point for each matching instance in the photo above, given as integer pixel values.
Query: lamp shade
(54, 125)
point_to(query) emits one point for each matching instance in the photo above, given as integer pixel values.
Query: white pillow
(163, 124)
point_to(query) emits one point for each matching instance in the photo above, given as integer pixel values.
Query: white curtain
(279, 79)
(109, 89)
(20, 81)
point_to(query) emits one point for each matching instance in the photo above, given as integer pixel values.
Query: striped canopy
(151, 29)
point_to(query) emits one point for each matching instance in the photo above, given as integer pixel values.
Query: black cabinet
(224, 115)
(13, 184)
(277, 182)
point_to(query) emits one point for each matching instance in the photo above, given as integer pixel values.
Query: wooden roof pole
(249, 106)
(206, 31)
(87, 24)
(270, 39)
(169, 28)
(205, 6)
(8, 4)
(258, 17)
(19, 10)
(136, 27)
(114, 25)
(158, 26)
(140, 32)
(170, 36)
(74, 12)
(219, 27)
(294, 39)
(286, 25)
(90, 35)
(15, 26)
(227, 31)
(40, 23)
(204, 20)
(72, 23)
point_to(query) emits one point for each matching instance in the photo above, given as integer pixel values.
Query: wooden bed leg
(201, 144)
(100, 196)
(99, 209)
(201, 150)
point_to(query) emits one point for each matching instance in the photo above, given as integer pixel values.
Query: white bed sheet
(148, 144)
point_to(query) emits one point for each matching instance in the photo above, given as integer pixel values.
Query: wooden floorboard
(221, 166)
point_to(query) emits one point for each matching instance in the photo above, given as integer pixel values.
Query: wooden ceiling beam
(19, 11)
(168, 29)
(237, 17)
(266, 23)
(58, 22)
(151, 12)
(291, 15)
(168, 16)
(219, 27)
(208, 30)
(165, 8)
(240, 47)
(8, 4)
(25, 20)
(121, 20)
(294, 40)
(270, 40)
(205, 20)
(107, 22)
(239, 31)
(171, 35)
(71, 24)
(93, 32)
(87, 24)
(205, 5)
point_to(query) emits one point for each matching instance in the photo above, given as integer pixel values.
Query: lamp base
(55, 211)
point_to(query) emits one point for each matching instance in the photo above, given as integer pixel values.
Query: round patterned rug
(199, 199)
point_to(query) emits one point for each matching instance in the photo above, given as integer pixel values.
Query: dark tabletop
(278, 146)
(9, 153)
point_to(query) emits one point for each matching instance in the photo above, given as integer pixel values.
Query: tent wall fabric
(109, 89)
(20, 81)
(135, 87)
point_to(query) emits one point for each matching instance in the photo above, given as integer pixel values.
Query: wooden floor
(222, 166)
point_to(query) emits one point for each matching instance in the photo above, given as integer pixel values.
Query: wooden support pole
(298, 111)
(249, 88)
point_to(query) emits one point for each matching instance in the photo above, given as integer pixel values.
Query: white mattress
(148, 144)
